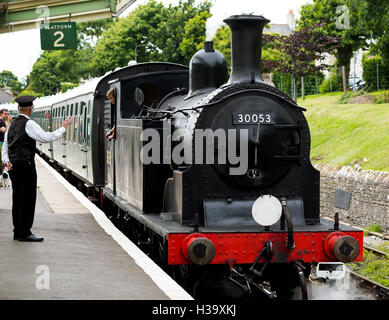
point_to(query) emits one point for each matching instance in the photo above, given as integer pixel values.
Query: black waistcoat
(20, 145)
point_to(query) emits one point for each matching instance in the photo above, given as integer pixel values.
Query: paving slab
(77, 259)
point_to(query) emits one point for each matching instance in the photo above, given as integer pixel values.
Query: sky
(19, 50)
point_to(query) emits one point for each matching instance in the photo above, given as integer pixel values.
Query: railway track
(369, 284)
(376, 251)
(380, 290)
(379, 235)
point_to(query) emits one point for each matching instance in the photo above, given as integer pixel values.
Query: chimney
(246, 47)
(290, 20)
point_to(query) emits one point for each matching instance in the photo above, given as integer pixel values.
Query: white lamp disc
(266, 210)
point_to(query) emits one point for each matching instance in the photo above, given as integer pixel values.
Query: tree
(154, 31)
(374, 15)
(171, 32)
(89, 32)
(270, 54)
(44, 76)
(116, 47)
(222, 42)
(301, 52)
(8, 79)
(337, 19)
(52, 68)
(194, 36)
(296, 54)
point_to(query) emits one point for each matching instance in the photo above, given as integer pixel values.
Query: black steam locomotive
(208, 174)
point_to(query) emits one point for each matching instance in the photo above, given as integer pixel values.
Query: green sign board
(58, 36)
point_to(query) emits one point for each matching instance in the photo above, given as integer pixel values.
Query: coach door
(64, 138)
(84, 137)
(109, 123)
(49, 127)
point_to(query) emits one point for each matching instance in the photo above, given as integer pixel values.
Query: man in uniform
(18, 156)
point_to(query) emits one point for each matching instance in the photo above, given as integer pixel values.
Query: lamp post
(136, 48)
(355, 62)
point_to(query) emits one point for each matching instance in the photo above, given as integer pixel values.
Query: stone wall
(369, 194)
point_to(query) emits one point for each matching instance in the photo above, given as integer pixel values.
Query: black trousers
(24, 179)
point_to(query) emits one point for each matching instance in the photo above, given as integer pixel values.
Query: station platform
(83, 256)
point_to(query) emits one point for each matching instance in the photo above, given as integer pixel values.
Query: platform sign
(58, 36)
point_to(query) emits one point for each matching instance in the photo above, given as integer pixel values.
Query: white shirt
(34, 131)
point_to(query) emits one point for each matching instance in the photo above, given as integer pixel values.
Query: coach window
(56, 117)
(84, 123)
(53, 118)
(80, 124)
(83, 135)
(75, 123)
(67, 114)
(72, 126)
(87, 127)
(43, 119)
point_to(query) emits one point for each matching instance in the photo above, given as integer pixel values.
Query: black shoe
(30, 238)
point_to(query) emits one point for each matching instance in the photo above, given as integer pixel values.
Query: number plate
(253, 118)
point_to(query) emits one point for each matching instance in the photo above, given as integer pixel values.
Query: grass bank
(373, 267)
(348, 134)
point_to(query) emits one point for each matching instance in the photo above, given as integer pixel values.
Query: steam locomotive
(209, 173)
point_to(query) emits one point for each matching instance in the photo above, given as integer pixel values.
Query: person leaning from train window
(18, 156)
(111, 96)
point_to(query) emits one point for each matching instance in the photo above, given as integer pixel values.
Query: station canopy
(16, 15)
